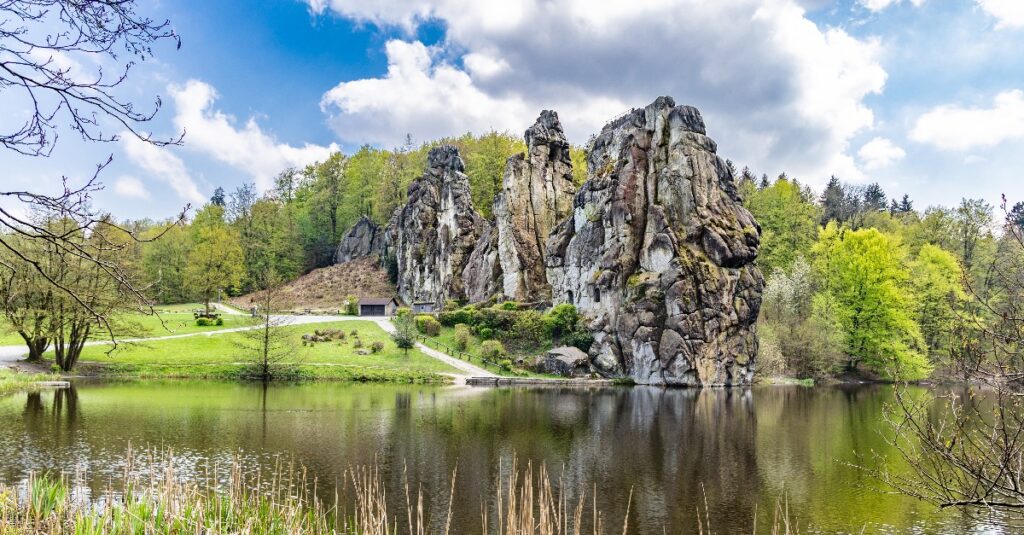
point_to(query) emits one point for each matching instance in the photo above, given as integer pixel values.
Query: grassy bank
(222, 356)
(11, 381)
(785, 381)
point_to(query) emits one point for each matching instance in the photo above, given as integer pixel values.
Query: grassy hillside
(325, 289)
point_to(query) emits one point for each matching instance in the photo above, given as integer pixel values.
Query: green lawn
(170, 319)
(221, 355)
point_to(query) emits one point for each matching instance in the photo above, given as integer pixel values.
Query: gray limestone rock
(536, 193)
(365, 238)
(659, 251)
(436, 231)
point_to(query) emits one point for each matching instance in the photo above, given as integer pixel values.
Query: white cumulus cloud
(879, 5)
(1008, 13)
(131, 187)
(161, 163)
(779, 93)
(954, 127)
(880, 152)
(246, 147)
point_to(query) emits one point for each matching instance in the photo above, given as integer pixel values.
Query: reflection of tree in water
(665, 444)
(42, 434)
(33, 405)
(65, 406)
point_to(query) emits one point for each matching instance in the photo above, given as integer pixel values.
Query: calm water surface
(742, 448)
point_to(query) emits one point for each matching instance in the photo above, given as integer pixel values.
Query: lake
(741, 450)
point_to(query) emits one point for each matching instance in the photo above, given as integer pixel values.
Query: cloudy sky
(925, 97)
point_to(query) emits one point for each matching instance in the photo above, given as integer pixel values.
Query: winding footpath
(10, 355)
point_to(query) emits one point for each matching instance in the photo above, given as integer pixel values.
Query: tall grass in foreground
(162, 502)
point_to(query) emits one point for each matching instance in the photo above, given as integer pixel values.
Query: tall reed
(153, 497)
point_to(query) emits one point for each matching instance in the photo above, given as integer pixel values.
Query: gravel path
(469, 370)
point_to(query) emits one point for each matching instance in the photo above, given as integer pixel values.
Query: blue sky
(923, 96)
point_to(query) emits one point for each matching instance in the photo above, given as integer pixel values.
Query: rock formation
(436, 231)
(365, 238)
(482, 275)
(656, 247)
(536, 193)
(659, 252)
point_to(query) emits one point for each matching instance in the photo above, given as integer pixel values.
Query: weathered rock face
(436, 231)
(537, 191)
(482, 274)
(363, 239)
(659, 251)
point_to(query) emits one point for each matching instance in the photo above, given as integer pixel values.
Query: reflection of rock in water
(665, 445)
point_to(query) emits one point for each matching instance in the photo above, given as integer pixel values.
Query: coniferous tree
(874, 198)
(833, 202)
(218, 197)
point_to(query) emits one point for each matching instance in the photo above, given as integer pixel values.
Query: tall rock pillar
(660, 252)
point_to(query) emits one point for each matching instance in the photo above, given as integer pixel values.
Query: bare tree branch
(41, 42)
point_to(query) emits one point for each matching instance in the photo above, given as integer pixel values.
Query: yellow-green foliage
(578, 156)
(789, 222)
(428, 325)
(492, 350)
(864, 272)
(462, 336)
(938, 292)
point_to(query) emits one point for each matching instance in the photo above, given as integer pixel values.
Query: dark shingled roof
(376, 300)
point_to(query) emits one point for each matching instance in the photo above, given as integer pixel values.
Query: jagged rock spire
(660, 251)
(536, 193)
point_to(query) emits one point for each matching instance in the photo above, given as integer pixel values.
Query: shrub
(357, 343)
(462, 335)
(579, 338)
(492, 350)
(377, 347)
(467, 315)
(402, 312)
(505, 364)
(219, 322)
(528, 329)
(561, 319)
(204, 322)
(428, 325)
(498, 319)
(485, 333)
(354, 333)
(510, 305)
